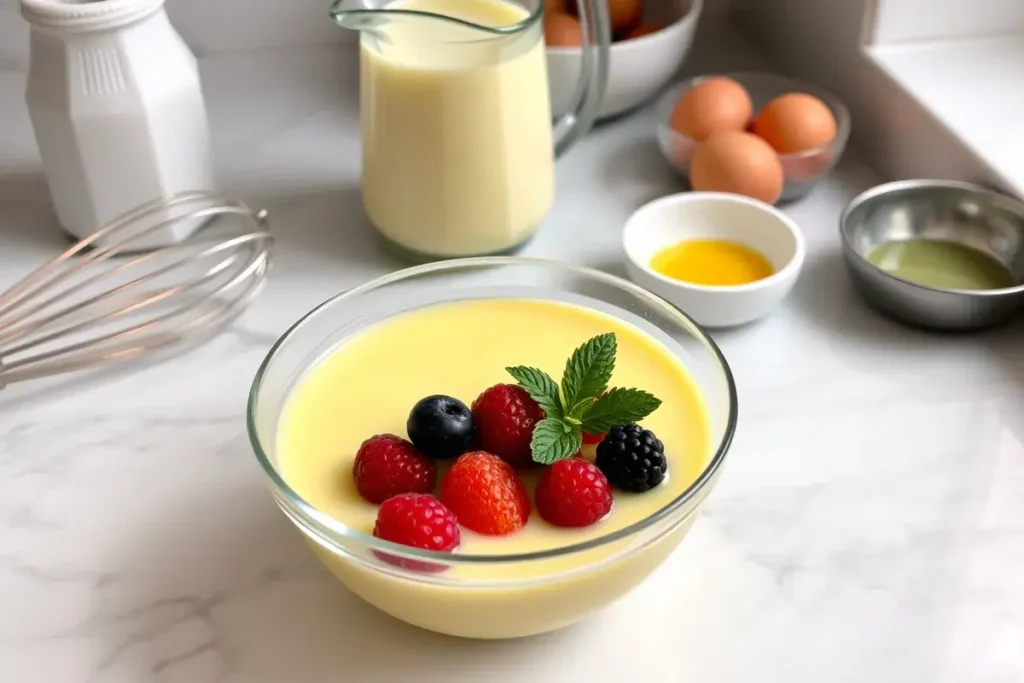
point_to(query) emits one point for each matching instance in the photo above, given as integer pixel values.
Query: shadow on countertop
(28, 224)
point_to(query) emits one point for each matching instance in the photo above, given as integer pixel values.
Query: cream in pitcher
(458, 150)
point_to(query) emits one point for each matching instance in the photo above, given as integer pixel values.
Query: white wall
(822, 41)
(915, 20)
(220, 25)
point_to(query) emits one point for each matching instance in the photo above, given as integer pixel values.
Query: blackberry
(632, 458)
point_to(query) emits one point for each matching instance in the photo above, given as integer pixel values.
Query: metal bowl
(948, 211)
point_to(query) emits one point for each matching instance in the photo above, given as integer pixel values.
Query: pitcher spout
(356, 15)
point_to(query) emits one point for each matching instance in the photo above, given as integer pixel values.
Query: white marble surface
(869, 525)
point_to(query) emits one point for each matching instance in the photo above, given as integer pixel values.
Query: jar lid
(86, 16)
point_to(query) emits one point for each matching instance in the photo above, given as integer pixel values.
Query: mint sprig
(588, 370)
(554, 440)
(540, 387)
(583, 403)
(619, 406)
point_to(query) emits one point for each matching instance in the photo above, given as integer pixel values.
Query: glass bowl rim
(322, 522)
(838, 107)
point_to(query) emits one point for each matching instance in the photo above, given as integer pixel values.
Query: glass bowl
(802, 170)
(490, 596)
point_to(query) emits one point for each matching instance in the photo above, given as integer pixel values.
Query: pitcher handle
(589, 92)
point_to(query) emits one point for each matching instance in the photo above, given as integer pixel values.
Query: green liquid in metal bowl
(942, 265)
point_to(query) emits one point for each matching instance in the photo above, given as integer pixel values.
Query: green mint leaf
(541, 388)
(580, 409)
(588, 369)
(554, 440)
(619, 407)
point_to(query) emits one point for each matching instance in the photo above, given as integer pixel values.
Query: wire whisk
(104, 300)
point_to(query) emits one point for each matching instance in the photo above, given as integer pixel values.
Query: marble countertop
(869, 525)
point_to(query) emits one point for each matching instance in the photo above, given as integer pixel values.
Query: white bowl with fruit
(650, 42)
(492, 447)
(761, 135)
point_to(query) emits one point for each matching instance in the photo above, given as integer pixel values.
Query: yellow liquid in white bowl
(457, 150)
(368, 385)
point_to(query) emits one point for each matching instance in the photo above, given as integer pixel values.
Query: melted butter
(712, 262)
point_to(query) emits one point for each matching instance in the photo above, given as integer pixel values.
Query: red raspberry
(485, 494)
(504, 416)
(573, 492)
(418, 520)
(387, 465)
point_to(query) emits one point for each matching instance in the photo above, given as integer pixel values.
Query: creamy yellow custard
(369, 384)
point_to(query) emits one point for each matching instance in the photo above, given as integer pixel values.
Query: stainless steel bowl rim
(696, 491)
(922, 184)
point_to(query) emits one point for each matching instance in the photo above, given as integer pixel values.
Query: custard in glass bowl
(356, 365)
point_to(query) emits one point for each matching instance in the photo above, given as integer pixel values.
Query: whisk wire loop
(79, 311)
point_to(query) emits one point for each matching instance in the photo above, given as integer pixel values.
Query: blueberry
(441, 427)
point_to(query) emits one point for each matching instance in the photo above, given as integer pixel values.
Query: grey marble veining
(869, 525)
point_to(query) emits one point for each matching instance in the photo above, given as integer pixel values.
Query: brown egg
(796, 122)
(737, 162)
(562, 30)
(625, 15)
(642, 30)
(714, 105)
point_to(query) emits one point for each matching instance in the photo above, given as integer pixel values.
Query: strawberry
(387, 465)
(418, 520)
(485, 494)
(505, 416)
(573, 493)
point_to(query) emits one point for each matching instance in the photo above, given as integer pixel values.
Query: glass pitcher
(458, 142)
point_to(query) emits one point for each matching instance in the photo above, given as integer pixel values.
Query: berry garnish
(485, 494)
(583, 404)
(573, 492)
(441, 427)
(632, 458)
(387, 465)
(505, 417)
(418, 520)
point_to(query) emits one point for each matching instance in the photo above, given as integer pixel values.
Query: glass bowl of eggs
(759, 135)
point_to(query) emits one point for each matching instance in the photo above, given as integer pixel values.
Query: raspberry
(632, 458)
(387, 465)
(418, 520)
(504, 416)
(573, 492)
(485, 494)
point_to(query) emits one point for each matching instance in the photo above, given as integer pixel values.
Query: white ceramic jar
(117, 108)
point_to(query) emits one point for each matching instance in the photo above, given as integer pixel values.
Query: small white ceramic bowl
(714, 215)
(639, 67)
